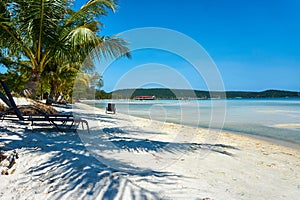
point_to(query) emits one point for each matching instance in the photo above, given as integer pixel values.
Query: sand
(125, 157)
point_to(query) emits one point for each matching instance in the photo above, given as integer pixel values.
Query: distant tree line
(164, 93)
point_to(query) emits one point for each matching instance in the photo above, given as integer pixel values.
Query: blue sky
(254, 44)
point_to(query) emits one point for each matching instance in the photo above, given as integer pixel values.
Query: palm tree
(49, 32)
(59, 79)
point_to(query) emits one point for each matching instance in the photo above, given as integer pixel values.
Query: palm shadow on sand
(115, 136)
(71, 167)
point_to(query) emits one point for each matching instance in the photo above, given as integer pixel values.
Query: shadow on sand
(64, 168)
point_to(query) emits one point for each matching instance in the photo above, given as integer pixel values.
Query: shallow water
(277, 119)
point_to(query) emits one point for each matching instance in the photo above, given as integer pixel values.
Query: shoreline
(273, 141)
(278, 141)
(125, 157)
(236, 153)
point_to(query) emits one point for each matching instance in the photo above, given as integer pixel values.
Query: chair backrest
(11, 100)
(111, 106)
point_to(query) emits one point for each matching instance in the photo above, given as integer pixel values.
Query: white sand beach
(126, 157)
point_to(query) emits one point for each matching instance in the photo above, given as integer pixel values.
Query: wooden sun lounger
(13, 113)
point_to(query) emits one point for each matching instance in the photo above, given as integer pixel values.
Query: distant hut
(144, 97)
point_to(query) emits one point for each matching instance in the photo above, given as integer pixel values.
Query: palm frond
(110, 47)
(89, 11)
(81, 36)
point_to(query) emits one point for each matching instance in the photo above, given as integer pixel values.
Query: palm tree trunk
(42, 95)
(51, 96)
(32, 85)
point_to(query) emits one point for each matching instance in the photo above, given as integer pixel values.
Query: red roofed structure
(144, 97)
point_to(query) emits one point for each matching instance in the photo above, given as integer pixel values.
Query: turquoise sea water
(275, 119)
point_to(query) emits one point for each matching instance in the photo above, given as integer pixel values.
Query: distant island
(169, 94)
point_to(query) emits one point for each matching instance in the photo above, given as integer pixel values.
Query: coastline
(126, 157)
(282, 133)
(249, 136)
(246, 154)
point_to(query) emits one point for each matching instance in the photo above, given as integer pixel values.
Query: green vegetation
(169, 94)
(43, 44)
(163, 93)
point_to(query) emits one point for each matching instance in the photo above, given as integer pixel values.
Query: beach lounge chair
(14, 113)
(111, 108)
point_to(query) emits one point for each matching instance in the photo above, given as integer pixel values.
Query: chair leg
(55, 125)
(87, 126)
(73, 123)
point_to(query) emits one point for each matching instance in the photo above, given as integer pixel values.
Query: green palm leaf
(49, 35)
